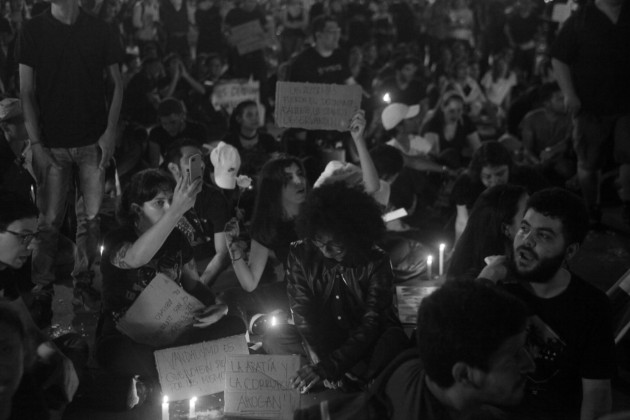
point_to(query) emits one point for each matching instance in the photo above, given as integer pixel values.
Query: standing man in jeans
(65, 58)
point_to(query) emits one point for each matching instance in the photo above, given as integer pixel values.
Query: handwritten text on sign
(258, 386)
(198, 369)
(249, 37)
(160, 314)
(228, 94)
(316, 106)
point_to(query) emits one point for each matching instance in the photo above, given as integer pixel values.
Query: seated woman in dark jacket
(340, 291)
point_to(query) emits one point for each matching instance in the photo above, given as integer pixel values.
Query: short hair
(491, 153)
(465, 321)
(546, 91)
(142, 187)
(387, 159)
(566, 206)
(349, 214)
(237, 113)
(319, 23)
(170, 106)
(14, 206)
(174, 150)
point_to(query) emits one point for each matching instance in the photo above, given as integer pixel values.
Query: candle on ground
(165, 413)
(441, 260)
(191, 412)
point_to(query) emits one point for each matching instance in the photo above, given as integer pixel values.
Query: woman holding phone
(145, 245)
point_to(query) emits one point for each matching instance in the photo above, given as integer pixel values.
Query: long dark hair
(235, 126)
(268, 210)
(491, 153)
(485, 231)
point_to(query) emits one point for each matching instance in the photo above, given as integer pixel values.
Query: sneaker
(86, 298)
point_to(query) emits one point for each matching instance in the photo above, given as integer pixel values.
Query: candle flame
(165, 399)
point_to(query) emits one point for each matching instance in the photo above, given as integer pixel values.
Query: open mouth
(525, 255)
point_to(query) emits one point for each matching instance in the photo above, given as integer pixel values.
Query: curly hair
(350, 215)
(491, 153)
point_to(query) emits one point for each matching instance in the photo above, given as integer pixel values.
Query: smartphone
(195, 167)
(393, 215)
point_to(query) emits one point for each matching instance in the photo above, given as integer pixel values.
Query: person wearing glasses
(339, 284)
(66, 355)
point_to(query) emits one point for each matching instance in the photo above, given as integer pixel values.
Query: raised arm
(248, 274)
(370, 175)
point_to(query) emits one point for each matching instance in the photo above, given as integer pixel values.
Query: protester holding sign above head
(146, 245)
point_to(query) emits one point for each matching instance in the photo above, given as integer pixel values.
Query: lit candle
(441, 261)
(165, 408)
(33, 193)
(191, 411)
(102, 249)
(429, 264)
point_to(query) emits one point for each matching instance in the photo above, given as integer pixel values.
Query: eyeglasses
(25, 238)
(332, 246)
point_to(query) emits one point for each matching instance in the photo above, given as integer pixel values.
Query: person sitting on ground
(144, 92)
(472, 358)
(468, 89)
(339, 285)
(490, 230)
(255, 146)
(491, 165)
(497, 84)
(404, 86)
(570, 330)
(203, 224)
(146, 244)
(546, 135)
(451, 133)
(173, 125)
(57, 365)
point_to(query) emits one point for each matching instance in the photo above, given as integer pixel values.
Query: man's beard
(543, 272)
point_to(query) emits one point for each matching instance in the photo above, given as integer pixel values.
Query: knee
(283, 339)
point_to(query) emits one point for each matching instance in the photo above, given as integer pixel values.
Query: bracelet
(236, 259)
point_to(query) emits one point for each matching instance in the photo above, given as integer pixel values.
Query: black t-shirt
(253, 158)
(523, 29)
(214, 207)
(570, 337)
(285, 234)
(70, 62)
(121, 287)
(459, 142)
(13, 175)
(596, 51)
(238, 16)
(192, 130)
(309, 66)
(9, 284)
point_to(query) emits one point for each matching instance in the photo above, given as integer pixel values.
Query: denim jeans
(80, 166)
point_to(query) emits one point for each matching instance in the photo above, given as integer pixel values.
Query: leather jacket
(354, 299)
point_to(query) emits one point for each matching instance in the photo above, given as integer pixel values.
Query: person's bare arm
(107, 141)
(193, 285)
(562, 72)
(219, 261)
(370, 176)
(460, 221)
(596, 398)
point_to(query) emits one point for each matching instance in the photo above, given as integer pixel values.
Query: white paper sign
(257, 386)
(160, 314)
(198, 369)
(228, 94)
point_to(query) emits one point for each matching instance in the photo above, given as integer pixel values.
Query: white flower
(243, 181)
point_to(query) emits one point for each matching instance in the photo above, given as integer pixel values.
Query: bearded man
(570, 333)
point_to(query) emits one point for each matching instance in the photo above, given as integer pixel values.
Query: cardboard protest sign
(248, 37)
(409, 299)
(257, 386)
(315, 106)
(228, 94)
(198, 369)
(160, 314)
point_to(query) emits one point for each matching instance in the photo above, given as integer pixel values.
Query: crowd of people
(488, 122)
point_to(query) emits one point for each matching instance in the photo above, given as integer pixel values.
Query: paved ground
(602, 259)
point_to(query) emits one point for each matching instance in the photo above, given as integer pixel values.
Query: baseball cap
(393, 114)
(226, 162)
(10, 108)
